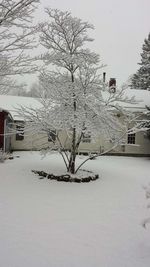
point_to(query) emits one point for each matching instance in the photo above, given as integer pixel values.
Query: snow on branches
(73, 97)
(16, 36)
(141, 79)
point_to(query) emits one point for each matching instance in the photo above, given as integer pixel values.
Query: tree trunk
(71, 167)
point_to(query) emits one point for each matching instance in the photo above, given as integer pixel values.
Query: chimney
(112, 85)
(104, 77)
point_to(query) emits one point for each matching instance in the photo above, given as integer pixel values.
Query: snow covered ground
(55, 224)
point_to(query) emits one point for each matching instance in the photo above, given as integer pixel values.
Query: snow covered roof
(141, 96)
(11, 103)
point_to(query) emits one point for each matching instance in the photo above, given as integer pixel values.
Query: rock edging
(66, 177)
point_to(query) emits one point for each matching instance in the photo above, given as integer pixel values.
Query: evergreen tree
(141, 79)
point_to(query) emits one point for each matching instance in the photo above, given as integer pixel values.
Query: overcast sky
(120, 29)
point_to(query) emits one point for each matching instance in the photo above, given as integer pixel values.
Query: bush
(2, 156)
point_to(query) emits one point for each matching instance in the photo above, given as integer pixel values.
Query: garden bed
(67, 177)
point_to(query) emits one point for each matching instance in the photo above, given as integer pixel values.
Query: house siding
(39, 141)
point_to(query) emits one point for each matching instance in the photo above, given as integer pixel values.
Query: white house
(136, 143)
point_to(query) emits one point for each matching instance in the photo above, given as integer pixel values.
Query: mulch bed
(66, 177)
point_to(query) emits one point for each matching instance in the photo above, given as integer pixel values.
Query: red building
(5, 128)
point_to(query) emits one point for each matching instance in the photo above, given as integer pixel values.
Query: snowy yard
(56, 224)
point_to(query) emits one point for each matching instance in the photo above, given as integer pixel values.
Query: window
(86, 138)
(131, 138)
(51, 135)
(19, 132)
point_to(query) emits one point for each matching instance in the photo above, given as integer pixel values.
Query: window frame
(131, 138)
(52, 135)
(86, 138)
(20, 132)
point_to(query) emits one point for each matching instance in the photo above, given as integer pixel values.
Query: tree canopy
(73, 96)
(16, 38)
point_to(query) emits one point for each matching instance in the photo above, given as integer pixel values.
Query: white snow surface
(46, 223)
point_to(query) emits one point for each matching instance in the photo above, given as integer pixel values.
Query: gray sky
(120, 29)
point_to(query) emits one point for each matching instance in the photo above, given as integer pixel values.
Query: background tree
(16, 37)
(141, 79)
(147, 123)
(72, 93)
(22, 89)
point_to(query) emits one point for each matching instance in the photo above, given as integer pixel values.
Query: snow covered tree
(147, 123)
(141, 79)
(16, 37)
(73, 97)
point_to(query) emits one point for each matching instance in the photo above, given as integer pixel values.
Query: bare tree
(16, 37)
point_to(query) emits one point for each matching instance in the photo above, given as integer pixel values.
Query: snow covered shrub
(2, 156)
(147, 194)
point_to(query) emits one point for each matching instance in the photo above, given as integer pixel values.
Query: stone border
(66, 177)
